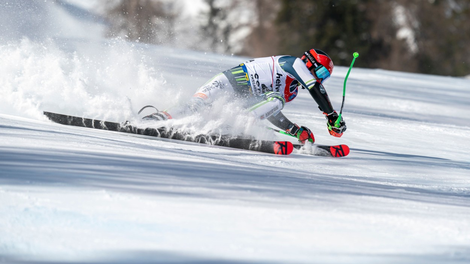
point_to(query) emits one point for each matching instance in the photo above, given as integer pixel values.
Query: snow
(70, 194)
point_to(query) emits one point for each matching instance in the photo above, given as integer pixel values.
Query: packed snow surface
(70, 194)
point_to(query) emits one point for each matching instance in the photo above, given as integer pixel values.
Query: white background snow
(78, 195)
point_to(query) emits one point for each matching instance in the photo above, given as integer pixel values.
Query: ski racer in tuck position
(265, 85)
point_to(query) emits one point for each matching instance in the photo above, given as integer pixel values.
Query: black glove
(301, 133)
(334, 130)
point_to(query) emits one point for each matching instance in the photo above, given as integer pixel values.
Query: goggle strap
(311, 59)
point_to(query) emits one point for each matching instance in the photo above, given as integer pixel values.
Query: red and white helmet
(320, 62)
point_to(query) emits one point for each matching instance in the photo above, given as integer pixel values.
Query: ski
(267, 146)
(336, 151)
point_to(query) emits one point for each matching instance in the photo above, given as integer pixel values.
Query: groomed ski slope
(78, 195)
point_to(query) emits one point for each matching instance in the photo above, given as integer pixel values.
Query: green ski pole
(355, 55)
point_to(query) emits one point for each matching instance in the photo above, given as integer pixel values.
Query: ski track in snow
(78, 195)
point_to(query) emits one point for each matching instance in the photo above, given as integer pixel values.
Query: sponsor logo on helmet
(311, 58)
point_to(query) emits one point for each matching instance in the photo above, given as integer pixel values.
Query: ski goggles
(322, 73)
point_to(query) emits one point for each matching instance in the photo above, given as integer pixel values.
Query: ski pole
(355, 55)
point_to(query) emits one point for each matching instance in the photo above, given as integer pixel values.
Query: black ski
(268, 146)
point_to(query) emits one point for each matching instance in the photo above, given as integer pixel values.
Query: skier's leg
(233, 82)
(272, 104)
(215, 88)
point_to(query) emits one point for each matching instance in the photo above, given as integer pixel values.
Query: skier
(266, 85)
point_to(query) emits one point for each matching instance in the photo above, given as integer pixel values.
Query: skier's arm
(297, 68)
(320, 96)
(302, 133)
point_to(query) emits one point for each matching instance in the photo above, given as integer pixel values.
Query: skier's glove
(335, 131)
(301, 133)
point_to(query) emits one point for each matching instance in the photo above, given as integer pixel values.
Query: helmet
(320, 62)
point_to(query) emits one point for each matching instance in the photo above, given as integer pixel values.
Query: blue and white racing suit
(265, 85)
